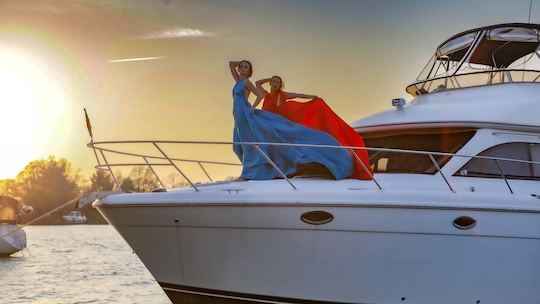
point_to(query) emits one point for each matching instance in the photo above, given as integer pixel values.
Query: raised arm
(234, 72)
(249, 85)
(259, 84)
(290, 95)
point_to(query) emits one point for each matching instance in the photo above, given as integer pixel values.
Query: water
(76, 264)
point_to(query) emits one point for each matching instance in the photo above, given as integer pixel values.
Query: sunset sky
(58, 57)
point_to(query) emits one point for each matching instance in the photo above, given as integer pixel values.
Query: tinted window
(535, 156)
(433, 140)
(488, 167)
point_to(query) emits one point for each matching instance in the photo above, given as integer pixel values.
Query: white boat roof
(513, 106)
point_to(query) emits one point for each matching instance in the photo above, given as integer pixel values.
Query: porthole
(464, 222)
(317, 217)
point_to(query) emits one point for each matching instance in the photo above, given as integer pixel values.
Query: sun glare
(32, 105)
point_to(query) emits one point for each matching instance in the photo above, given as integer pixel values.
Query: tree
(47, 183)
(174, 180)
(8, 187)
(143, 179)
(101, 181)
(127, 185)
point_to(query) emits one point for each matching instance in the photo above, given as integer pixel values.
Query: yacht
(74, 217)
(451, 214)
(12, 236)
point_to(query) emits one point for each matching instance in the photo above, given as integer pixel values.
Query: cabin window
(447, 140)
(478, 167)
(535, 156)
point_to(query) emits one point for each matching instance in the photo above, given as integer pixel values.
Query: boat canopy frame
(496, 54)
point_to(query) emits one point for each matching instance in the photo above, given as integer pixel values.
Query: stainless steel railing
(104, 164)
(467, 79)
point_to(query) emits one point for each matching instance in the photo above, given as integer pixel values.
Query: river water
(76, 264)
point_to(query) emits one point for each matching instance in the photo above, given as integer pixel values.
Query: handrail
(440, 172)
(275, 167)
(110, 171)
(93, 144)
(163, 158)
(176, 167)
(503, 176)
(171, 161)
(154, 171)
(456, 76)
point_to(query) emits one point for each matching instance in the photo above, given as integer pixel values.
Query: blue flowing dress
(252, 125)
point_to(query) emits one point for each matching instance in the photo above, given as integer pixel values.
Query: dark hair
(250, 66)
(282, 84)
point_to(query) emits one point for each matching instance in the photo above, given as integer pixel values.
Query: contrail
(136, 59)
(176, 32)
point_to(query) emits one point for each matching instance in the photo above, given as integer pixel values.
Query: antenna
(530, 8)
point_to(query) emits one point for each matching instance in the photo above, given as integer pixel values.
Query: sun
(31, 103)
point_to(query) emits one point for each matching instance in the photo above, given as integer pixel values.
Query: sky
(159, 69)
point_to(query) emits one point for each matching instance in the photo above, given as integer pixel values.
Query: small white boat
(12, 237)
(11, 242)
(74, 217)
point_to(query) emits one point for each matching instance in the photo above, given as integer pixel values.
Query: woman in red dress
(315, 114)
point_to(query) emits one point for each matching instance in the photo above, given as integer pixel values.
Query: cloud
(176, 32)
(136, 59)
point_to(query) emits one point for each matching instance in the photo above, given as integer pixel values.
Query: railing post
(176, 167)
(155, 174)
(456, 84)
(503, 176)
(442, 174)
(95, 153)
(275, 166)
(204, 170)
(509, 76)
(110, 171)
(366, 169)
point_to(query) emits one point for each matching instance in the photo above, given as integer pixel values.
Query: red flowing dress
(316, 114)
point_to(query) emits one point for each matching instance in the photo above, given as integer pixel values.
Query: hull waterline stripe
(219, 296)
(237, 296)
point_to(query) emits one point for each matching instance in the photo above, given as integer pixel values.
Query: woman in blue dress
(252, 125)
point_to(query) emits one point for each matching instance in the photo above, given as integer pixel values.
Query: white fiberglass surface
(510, 104)
(413, 253)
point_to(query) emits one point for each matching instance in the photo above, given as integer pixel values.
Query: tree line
(47, 183)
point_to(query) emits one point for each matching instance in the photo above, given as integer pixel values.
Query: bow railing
(150, 160)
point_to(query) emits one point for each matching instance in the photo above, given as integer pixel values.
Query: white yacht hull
(231, 253)
(13, 242)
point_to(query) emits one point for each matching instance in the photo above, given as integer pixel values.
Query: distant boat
(12, 237)
(74, 217)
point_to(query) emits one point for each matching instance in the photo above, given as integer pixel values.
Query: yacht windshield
(490, 55)
(448, 140)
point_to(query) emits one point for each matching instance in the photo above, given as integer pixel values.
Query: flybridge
(503, 53)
